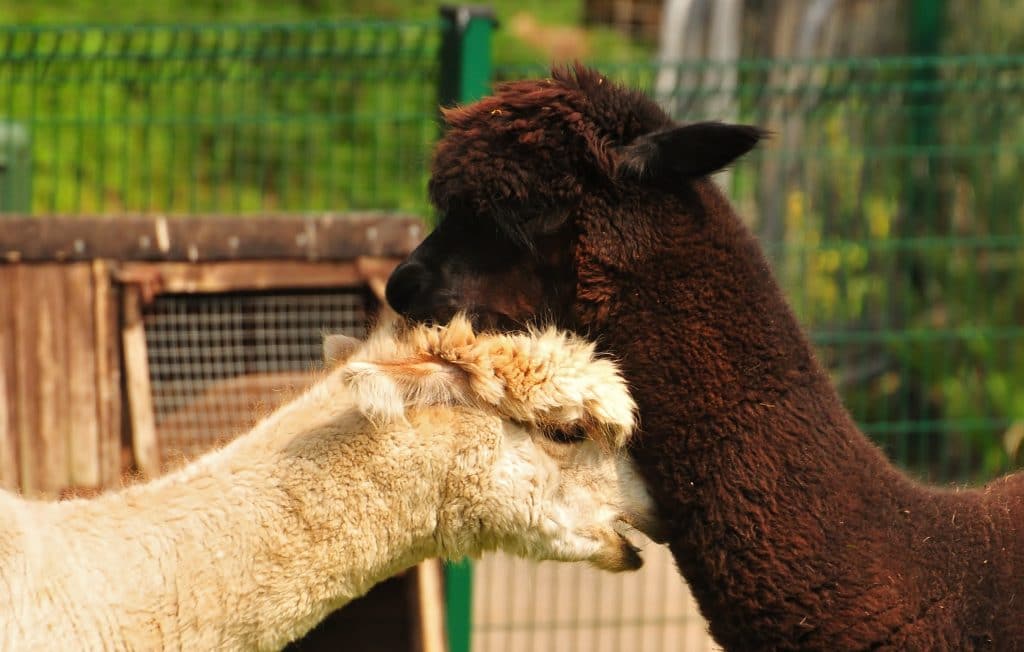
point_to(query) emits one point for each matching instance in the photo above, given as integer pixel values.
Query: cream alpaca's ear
(338, 348)
(384, 390)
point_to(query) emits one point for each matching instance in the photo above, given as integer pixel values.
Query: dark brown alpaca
(576, 201)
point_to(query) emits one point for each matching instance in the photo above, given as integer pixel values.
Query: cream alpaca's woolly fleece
(425, 442)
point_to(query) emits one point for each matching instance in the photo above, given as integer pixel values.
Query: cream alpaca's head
(558, 483)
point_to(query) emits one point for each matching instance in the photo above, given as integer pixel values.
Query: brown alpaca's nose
(406, 287)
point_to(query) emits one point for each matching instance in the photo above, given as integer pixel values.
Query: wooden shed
(129, 344)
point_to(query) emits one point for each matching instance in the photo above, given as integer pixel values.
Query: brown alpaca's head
(522, 178)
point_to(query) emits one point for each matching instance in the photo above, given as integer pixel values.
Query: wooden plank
(429, 604)
(376, 270)
(26, 416)
(83, 402)
(51, 397)
(137, 385)
(107, 349)
(330, 237)
(8, 432)
(192, 278)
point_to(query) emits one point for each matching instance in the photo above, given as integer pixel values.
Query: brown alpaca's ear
(686, 152)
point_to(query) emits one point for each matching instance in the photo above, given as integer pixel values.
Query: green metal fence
(225, 118)
(889, 198)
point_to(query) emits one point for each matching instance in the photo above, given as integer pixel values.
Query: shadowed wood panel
(26, 417)
(54, 402)
(8, 432)
(380, 621)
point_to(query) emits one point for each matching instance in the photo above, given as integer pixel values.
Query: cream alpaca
(426, 442)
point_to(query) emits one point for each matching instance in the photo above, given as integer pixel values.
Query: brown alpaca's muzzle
(420, 295)
(409, 290)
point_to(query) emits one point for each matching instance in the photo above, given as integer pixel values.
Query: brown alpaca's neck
(729, 370)
(704, 316)
(782, 511)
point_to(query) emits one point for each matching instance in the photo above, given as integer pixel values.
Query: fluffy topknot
(547, 379)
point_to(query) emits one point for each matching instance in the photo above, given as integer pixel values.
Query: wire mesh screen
(219, 118)
(219, 362)
(558, 607)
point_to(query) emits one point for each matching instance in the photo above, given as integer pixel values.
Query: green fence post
(15, 168)
(465, 53)
(926, 26)
(465, 77)
(458, 597)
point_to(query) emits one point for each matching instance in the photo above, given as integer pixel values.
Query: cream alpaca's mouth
(651, 527)
(621, 557)
(629, 552)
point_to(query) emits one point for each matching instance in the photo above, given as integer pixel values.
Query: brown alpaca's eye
(573, 434)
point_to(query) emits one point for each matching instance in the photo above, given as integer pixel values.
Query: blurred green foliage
(902, 254)
(224, 117)
(237, 106)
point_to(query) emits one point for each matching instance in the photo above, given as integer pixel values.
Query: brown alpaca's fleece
(791, 527)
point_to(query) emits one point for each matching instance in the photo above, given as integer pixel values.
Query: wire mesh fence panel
(889, 201)
(220, 118)
(220, 362)
(550, 606)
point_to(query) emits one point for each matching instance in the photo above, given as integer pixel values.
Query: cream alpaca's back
(423, 442)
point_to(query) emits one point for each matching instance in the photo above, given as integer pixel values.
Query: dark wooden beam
(209, 238)
(238, 276)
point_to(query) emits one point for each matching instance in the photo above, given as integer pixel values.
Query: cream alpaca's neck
(279, 529)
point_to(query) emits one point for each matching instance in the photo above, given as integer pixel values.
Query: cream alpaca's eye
(569, 434)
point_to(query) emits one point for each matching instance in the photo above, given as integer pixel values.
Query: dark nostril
(407, 283)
